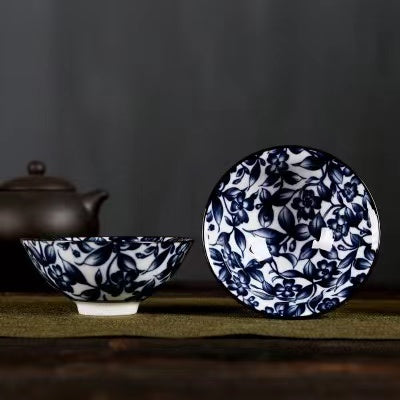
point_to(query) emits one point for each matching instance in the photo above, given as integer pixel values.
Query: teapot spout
(93, 200)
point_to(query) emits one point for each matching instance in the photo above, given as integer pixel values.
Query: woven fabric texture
(189, 317)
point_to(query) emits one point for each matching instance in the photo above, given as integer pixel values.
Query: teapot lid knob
(37, 180)
(36, 168)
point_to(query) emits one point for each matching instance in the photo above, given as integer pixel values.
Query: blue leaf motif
(262, 295)
(335, 174)
(216, 255)
(217, 209)
(344, 278)
(291, 257)
(311, 163)
(264, 195)
(254, 264)
(355, 239)
(98, 278)
(351, 217)
(73, 273)
(309, 269)
(362, 263)
(316, 225)
(291, 177)
(332, 254)
(286, 219)
(348, 260)
(307, 251)
(126, 262)
(99, 256)
(84, 247)
(265, 215)
(256, 274)
(271, 235)
(301, 232)
(357, 208)
(223, 239)
(296, 310)
(292, 273)
(369, 254)
(50, 254)
(224, 274)
(254, 174)
(158, 260)
(228, 221)
(282, 197)
(240, 239)
(324, 192)
(268, 288)
(315, 301)
(305, 292)
(345, 292)
(271, 179)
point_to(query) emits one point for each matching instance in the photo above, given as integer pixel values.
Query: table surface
(211, 368)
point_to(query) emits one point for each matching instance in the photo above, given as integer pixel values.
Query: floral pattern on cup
(107, 268)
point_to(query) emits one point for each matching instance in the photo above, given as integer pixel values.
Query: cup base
(107, 308)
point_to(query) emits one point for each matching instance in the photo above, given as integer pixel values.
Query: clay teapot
(37, 206)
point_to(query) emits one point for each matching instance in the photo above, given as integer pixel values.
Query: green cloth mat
(189, 317)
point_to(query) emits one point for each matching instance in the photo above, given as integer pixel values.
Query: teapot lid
(37, 181)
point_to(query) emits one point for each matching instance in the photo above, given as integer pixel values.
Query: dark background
(154, 100)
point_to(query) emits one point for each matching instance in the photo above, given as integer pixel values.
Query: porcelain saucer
(291, 231)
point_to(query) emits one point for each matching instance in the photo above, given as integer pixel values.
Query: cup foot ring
(107, 308)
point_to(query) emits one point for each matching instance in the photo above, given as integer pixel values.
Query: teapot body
(37, 206)
(37, 214)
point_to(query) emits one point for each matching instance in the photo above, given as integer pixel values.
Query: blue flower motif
(350, 191)
(240, 205)
(286, 290)
(240, 283)
(328, 304)
(325, 270)
(340, 226)
(277, 161)
(307, 204)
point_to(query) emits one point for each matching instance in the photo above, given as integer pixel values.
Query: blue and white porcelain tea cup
(107, 275)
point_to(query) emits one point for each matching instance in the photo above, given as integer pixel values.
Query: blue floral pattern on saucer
(291, 231)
